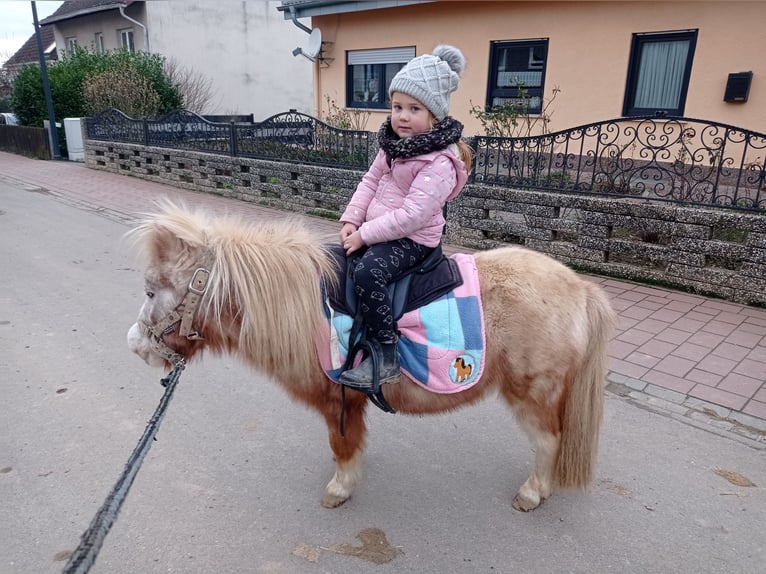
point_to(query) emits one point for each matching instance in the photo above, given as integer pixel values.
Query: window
(126, 40)
(369, 73)
(71, 44)
(517, 74)
(658, 73)
(99, 43)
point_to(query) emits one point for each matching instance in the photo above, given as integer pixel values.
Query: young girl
(395, 217)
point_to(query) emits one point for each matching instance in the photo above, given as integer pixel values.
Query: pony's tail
(584, 405)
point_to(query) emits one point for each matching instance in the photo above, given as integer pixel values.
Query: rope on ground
(85, 554)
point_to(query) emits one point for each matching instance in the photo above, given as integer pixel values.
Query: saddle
(433, 278)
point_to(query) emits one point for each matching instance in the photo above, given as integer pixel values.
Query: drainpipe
(137, 23)
(294, 18)
(316, 74)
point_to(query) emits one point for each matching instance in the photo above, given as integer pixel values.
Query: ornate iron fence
(289, 136)
(679, 160)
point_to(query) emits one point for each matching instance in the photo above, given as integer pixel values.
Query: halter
(183, 313)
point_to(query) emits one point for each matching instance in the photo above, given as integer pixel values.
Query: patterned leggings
(379, 266)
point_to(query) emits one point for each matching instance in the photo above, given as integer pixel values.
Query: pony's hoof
(525, 503)
(332, 501)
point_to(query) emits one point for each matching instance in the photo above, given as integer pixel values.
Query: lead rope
(85, 554)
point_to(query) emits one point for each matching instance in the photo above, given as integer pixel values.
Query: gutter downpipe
(136, 22)
(294, 18)
(317, 79)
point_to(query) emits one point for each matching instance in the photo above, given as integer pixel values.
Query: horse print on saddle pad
(441, 344)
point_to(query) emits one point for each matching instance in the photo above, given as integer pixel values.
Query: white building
(243, 47)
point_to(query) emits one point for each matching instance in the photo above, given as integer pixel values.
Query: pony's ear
(166, 246)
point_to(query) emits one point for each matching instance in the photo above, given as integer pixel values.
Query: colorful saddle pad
(441, 345)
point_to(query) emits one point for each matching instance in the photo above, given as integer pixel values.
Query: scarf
(441, 136)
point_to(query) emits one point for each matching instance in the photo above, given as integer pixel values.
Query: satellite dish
(315, 43)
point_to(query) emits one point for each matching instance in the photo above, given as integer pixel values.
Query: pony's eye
(150, 294)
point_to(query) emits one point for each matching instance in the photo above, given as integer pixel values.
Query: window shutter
(381, 56)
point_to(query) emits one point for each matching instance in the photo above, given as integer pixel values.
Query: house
(242, 49)
(28, 53)
(578, 62)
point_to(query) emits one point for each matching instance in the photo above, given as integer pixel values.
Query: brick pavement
(692, 356)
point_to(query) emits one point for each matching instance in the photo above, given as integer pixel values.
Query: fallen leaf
(733, 477)
(61, 556)
(307, 552)
(619, 490)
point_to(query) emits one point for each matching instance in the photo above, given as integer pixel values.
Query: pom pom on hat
(431, 78)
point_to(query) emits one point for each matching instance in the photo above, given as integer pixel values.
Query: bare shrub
(124, 89)
(196, 89)
(345, 118)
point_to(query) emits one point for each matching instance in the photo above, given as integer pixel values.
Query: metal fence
(679, 160)
(289, 136)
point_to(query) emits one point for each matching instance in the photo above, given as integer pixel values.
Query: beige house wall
(588, 52)
(108, 23)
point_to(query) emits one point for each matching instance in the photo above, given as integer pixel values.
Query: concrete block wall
(711, 252)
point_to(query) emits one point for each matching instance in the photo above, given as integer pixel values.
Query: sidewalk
(694, 357)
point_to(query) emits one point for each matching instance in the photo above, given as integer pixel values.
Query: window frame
(71, 44)
(495, 48)
(98, 41)
(638, 41)
(131, 44)
(378, 59)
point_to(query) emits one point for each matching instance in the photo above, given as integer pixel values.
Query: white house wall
(244, 47)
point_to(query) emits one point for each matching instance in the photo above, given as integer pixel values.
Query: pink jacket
(406, 200)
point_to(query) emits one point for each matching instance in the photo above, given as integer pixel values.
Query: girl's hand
(353, 242)
(345, 231)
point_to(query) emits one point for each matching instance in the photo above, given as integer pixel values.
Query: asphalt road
(234, 481)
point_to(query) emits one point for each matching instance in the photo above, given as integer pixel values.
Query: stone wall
(711, 252)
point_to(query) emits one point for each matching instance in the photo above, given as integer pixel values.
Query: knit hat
(431, 78)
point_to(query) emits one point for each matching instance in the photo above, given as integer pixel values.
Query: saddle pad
(441, 345)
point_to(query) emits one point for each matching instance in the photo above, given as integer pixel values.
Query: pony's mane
(266, 274)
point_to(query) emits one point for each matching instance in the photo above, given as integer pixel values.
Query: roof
(308, 8)
(28, 54)
(77, 8)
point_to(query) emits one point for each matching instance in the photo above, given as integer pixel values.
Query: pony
(258, 295)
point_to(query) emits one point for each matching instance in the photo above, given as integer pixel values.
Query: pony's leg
(541, 424)
(348, 449)
(539, 485)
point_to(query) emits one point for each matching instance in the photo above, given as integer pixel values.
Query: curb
(702, 414)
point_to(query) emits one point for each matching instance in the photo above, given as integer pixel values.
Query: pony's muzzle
(139, 345)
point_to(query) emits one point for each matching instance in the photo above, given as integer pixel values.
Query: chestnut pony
(547, 331)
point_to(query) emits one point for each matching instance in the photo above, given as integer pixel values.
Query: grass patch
(731, 235)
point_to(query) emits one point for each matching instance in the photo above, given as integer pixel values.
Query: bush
(513, 119)
(124, 89)
(5, 91)
(67, 81)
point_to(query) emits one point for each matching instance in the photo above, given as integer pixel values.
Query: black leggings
(378, 266)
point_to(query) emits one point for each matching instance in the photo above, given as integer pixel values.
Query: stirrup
(374, 393)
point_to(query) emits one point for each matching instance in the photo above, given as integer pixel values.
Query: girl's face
(408, 116)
